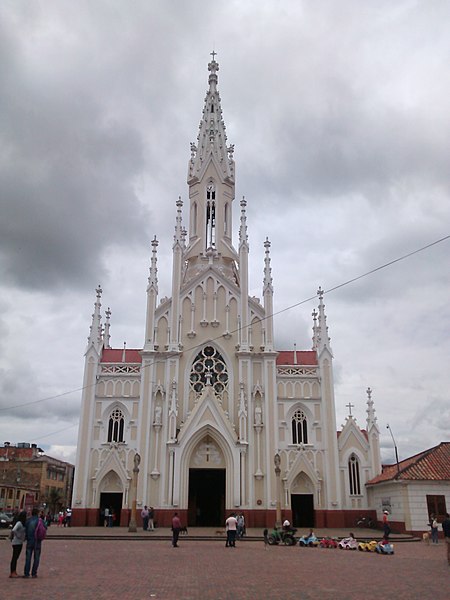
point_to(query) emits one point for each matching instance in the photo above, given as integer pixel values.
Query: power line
(279, 312)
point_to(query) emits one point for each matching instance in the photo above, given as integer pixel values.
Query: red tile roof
(304, 357)
(432, 464)
(115, 355)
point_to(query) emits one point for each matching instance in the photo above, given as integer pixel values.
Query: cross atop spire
(350, 406)
(213, 54)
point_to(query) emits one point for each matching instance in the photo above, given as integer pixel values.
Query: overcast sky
(339, 112)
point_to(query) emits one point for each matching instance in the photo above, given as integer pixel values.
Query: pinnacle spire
(267, 268)
(153, 275)
(106, 334)
(95, 333)
(371, 418)
(243, 237)
(179, 237)
(323, 341)
(211, 139)
(315, 338)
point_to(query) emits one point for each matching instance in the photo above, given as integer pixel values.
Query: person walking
(17, 540)
(151, 518)
(33, 527)
(144, 515)
(176, 526)
(231, 527)
(434, 530)
(446, 530)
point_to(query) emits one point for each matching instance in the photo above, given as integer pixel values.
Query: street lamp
(395, 447)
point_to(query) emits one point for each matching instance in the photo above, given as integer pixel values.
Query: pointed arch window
(353, 476)
(299, 428)
(209, 368)
(116, 426)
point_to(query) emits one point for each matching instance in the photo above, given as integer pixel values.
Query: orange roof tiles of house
(304, 357)
(432, 464)
(115, 355)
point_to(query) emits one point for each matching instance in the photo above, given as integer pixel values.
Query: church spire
(211, 139)
(323, 341)
(211, 192)
(95, 332)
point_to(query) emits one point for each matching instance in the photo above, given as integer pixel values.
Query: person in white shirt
(231, 527)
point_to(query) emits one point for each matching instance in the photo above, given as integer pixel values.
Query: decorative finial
(369, 393)
(320, 293)
(213, 54)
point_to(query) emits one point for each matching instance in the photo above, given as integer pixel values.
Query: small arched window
(116, 426)
(299, 428)
(353, 476)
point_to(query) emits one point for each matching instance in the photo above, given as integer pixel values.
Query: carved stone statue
(137, 461)
(258, 415)
(158, 412)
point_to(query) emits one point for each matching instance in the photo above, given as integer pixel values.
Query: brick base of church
(333, 519)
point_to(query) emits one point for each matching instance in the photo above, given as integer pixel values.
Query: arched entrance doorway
(302, 501)
(111, 498)
(206, 500)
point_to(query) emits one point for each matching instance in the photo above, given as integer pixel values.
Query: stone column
(277, 462)
(132, 528)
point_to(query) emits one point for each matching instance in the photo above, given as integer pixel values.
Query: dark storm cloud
(67, 176)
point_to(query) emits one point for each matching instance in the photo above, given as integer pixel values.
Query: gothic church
(222, 420)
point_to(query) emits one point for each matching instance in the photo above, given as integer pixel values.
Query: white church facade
(222, 420)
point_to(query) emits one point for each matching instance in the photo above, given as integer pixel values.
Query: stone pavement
(134, 569)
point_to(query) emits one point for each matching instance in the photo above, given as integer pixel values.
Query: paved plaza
(144, 568)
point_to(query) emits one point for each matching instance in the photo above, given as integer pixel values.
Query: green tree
(54, 501)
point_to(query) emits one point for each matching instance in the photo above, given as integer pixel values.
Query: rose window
(209, 368)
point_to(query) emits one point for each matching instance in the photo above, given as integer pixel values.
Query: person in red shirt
(176, 526)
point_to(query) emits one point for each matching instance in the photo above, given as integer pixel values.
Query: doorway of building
(302, 506)
(112, 501)
(206, 497)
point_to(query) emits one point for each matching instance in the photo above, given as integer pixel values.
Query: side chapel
(222, 420)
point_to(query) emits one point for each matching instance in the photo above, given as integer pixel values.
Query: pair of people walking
(32, 531)
(147, 515)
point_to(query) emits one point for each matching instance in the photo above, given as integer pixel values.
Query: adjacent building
(30, 478)
(414, 489)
